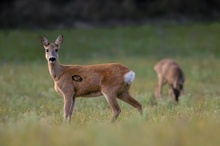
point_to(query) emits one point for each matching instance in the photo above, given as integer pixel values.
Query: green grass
(31, 112)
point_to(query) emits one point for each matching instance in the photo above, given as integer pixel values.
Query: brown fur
(74, 81)
(168, 71)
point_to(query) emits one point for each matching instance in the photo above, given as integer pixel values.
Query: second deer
(112, 80)
(168, 71)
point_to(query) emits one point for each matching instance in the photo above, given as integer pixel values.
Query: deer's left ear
(59, 40)
(44, 41)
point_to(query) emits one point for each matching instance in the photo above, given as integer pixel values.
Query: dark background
(87, 13)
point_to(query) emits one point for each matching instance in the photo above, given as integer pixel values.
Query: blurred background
(36, 14)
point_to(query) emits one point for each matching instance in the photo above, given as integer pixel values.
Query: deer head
(51, 49)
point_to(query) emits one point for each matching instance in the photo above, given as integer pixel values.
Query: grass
(31, 113)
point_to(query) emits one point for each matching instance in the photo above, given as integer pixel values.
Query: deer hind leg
(126, 97)
(159, 88)
(112, 101)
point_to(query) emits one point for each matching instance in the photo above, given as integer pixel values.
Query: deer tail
(129, 77)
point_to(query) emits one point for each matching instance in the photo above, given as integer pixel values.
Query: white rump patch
(129, 77)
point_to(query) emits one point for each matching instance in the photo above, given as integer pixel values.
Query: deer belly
(88, 93)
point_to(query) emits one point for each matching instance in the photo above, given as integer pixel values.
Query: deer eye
(46, 50)
(56, 50)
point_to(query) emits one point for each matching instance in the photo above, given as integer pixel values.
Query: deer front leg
(72, 107)
(171, 92)
(69, 103)
(67, 108)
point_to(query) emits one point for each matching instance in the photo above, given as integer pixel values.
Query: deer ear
(44, 41)
(59, 40)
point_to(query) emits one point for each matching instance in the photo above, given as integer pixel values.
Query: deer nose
(52, 59)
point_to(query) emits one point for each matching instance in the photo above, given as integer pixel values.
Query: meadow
(31, 112)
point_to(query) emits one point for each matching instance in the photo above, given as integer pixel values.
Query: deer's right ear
(44, 41)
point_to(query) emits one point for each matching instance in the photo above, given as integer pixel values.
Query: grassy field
(31, 112)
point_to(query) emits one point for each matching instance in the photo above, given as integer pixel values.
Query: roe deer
(111, 80)
(168, 71)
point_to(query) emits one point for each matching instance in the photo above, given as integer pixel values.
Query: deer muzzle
(52, 59)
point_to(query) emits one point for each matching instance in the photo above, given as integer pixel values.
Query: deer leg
(181, 89)
(161, 82)
(112, 101)
(171, 91)
(126, 97)
(72, 106)
(68, 106)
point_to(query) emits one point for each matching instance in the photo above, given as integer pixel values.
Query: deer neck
(55, 69)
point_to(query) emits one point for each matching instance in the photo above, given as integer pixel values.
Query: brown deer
(112, 80)
(168, 71)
